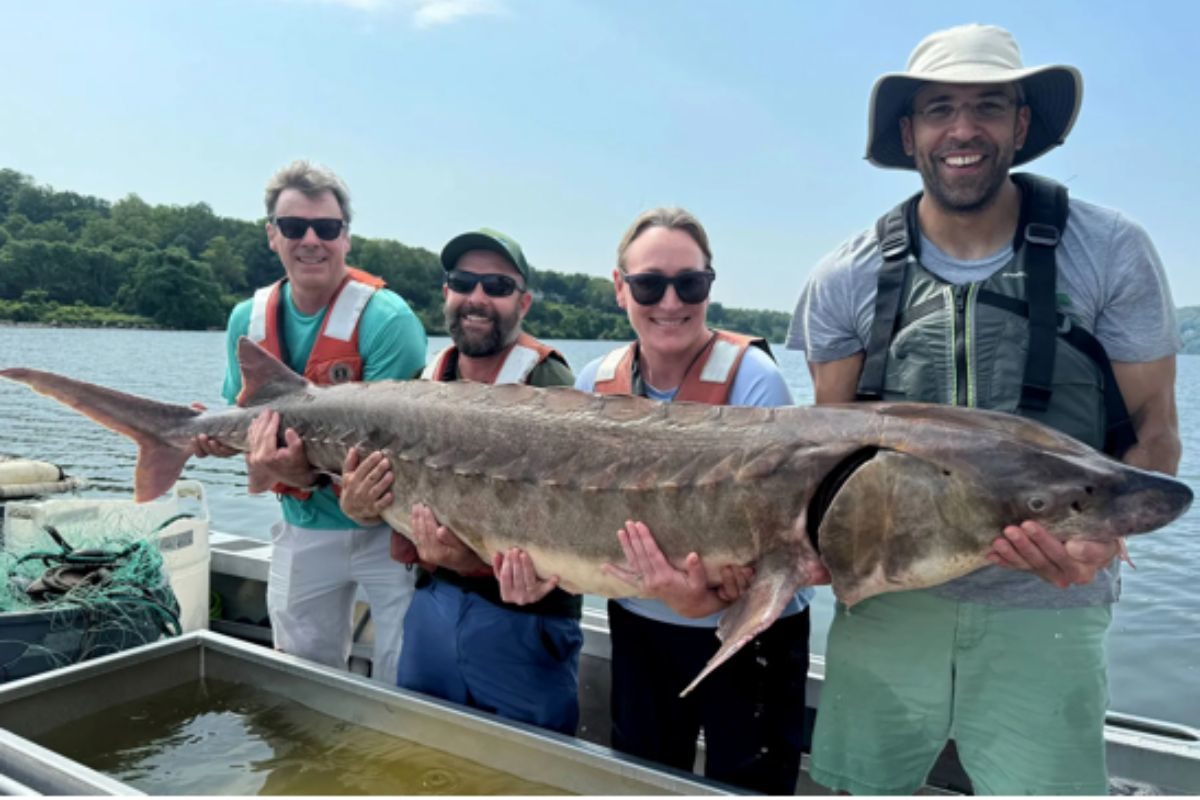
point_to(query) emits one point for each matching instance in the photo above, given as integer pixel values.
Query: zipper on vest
(969, 322)
(962, 366)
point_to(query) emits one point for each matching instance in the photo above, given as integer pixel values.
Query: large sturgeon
(898, 496)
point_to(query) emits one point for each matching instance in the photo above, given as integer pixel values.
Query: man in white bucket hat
(992, 290)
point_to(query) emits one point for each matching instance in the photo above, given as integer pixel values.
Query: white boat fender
(22, 471)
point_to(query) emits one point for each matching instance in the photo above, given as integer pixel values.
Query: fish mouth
(829, 487)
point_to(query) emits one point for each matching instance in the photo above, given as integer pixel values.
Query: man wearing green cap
(464, 641)
(992, 290)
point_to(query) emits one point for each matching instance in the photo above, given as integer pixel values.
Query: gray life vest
(999, 344)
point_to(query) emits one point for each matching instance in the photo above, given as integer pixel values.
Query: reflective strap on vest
(433, 369)
(258, 313)
(518, 364)
(608, 367)
(720, 362)
(347, 309)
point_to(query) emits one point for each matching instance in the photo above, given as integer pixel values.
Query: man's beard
(480, 345)
(963, 196)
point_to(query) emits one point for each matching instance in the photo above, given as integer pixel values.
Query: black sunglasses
(326, 228)
(692, 287)
(494, 285)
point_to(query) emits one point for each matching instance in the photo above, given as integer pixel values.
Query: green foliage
(43, 312)
(770, 325)
(70, 259)
(174, 291)
(227, 266)
(11, 182)
(66, 272)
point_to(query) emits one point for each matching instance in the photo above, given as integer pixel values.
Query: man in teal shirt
(331, 323)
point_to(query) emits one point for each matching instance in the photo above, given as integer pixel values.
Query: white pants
(311, 590)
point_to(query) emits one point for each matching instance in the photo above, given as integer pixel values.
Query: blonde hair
(672, 218)
(311, 180)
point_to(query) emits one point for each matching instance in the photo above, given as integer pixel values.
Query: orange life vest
(520, 361)
(708, 380)
(335, 357)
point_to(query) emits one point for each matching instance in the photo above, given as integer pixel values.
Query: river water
(1154, 643)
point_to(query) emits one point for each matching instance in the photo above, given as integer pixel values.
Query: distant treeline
(1189, 328)
(71, 259)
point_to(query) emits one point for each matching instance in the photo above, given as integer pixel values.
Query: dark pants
(463, 648)
(751, 708)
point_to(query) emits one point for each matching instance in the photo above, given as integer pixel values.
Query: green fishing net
(82, 591)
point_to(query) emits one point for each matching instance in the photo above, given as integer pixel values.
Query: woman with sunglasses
(752, 708)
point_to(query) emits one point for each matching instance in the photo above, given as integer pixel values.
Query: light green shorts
(1022, 692)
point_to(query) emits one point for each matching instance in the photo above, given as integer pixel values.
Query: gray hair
(672, 218)
(311, 180)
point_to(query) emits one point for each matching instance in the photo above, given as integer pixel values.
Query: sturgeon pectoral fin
(777, 576)
(901, 522)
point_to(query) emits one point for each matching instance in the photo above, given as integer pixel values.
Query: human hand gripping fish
(204, 445)
(686, 590)
(270, 463)
(518, 578)
(1030, 547)
(366, 493)
(437, 544)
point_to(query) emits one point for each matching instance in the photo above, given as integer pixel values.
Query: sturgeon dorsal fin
(264, 377)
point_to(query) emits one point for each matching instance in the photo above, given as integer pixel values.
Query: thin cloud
(426, 13)
(431, 13)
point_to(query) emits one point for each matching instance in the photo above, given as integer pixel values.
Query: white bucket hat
(973, 54)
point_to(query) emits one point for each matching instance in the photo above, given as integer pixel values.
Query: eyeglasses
(989, 109)
(691, 287)
(326, 228)
(494, 285)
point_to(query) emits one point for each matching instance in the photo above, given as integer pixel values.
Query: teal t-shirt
(392, 342)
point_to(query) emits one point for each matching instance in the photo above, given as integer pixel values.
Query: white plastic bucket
(183, 542)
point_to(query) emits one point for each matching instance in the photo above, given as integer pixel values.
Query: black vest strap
(1119, 434)
(892, 229)
(1044, 211)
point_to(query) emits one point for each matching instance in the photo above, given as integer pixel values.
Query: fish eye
(1037, 503)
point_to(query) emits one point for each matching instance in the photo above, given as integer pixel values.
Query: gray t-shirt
(1110, 281)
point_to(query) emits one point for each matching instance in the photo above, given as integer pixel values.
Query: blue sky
(559, 120)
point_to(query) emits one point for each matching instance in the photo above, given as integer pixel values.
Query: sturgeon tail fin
(148, 422)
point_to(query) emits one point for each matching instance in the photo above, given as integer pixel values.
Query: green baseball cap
(485, 239)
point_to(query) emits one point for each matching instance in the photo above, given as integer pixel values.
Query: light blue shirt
(758, 383)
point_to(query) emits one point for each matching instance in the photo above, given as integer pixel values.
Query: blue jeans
(463, 648)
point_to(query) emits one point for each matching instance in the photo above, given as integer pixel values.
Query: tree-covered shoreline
(72, 260)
